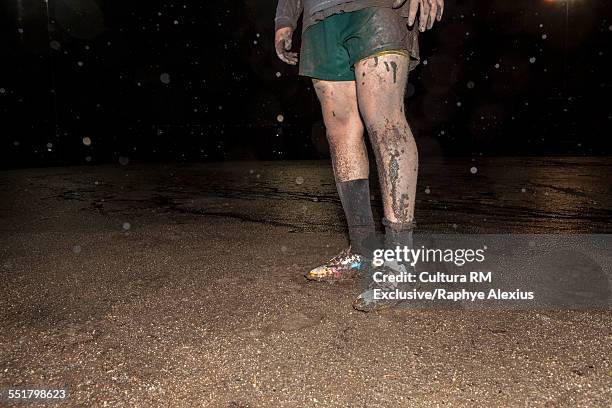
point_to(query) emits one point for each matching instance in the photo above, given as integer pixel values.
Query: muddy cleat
(380, 295)
(366, 302)
(345, 265)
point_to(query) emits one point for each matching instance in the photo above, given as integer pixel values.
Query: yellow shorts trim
(385, 52)
(401, 52)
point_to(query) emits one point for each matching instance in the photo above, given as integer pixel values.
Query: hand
(282, 44)
(431, 10)
(398, 3)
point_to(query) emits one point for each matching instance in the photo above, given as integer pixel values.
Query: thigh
(380, 84)
(338, 102)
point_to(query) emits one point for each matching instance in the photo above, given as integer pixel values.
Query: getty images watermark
(397, 273)
(496, 271)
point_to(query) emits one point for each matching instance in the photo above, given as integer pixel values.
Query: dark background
(87, 81)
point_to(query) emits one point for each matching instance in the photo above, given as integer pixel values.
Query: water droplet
(86, 141)
(280, 118)
(470, 84)
(126, 226)
(55, 45)
(299, 180)
(532, 60)
(473, 170)
(165, 78)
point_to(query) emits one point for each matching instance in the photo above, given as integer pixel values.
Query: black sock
(355, 198)
(398, 234)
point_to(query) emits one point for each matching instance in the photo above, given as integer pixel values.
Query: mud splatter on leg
(344, 128)
(394, 66)
(381, 102)
(349, 160)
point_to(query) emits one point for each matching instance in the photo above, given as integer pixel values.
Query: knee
(344, 131)
(381, 114)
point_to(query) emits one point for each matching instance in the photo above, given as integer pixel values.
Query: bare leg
(350, 160)
(381, 81)
(344, 129)
(380, 92)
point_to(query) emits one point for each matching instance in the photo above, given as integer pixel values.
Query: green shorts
(331, 47)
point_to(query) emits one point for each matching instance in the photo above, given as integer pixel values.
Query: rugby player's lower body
(359, 63)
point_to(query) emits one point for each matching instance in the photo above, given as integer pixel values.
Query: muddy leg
(344, 129)
(380, 94)
(349, 158)
(381, 82)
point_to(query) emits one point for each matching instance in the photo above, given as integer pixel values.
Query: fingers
(282, 51)
(432, 14)
(440, 9)
(412, 11)
(429, 11)
(291, 58)
(424, 15)
(278, 46)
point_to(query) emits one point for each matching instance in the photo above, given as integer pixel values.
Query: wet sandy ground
(181, 285)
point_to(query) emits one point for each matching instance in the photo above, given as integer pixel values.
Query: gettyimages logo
(423, 255)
